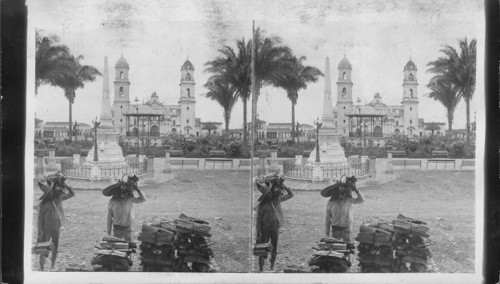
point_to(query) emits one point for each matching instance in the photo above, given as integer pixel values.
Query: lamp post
(96, 123)
(318, 126)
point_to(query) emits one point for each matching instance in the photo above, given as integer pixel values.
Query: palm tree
(50, 60)
(447, 94)
(458, 68)
(234, 66)
(224, 93)
(71, 81)
(295, 80)
(271, 61)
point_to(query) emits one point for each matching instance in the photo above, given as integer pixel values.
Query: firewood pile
(262, 249)
(331, 256)
(43, 248)
(113, 254)
(397, 246)
(178, 246)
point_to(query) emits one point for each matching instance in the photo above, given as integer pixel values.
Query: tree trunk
(467, 107)
(245, 138)
(450, 121)
(70, 119)
(293, 121)
(227, 117)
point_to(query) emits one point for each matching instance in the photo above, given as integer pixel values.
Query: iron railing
(83, 170)
(141, 134)
(366, 134)
(355, 167)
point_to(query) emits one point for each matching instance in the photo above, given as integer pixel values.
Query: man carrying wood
(121, 206)
(270, 216)
(51, 213)
(338, 209)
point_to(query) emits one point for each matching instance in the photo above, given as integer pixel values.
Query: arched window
(122, 75)
(188, 77)
(189, 92)
(410, 77)
(396, 131)
(344, 76)
(411, 93)
(344, 92)
(121, 91)
(174, 130)
(377, 131)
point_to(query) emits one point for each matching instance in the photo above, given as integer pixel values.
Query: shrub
(288, 165)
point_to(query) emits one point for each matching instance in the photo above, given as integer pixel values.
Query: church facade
(152, 119)
(376, 120)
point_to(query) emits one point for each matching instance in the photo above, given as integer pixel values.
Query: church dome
(121, 63)
(410, 66)
(344, 64)
(187, 65)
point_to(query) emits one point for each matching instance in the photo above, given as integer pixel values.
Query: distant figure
(51, 213)
(121, 207)
(339, 216)
(269, 214)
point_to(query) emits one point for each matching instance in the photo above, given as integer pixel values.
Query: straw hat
(331, 188)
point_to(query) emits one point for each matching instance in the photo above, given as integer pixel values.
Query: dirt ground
(443, 199)
(220, 197)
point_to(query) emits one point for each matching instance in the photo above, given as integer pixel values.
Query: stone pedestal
(317, 173)
(330, 150)
(298, 160)
(372, 172)
(167, 168)
(390, 168)
(142, 158)
(261, 171)
(273, 167)
(39, 167)
(95, 172)
(76, 159)
(150, 175)
(51, 161)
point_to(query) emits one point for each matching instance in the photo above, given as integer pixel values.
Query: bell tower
(122, 94)
(410, 98)
(187, 99)
(344, 94)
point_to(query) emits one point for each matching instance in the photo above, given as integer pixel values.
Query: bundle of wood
(262, 249)
(43, 248)
(396, 246)
(179, 246)
(113, 254)
(331, 256)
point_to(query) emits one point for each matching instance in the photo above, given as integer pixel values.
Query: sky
(156, 37)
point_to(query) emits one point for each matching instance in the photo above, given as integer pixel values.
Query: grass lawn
(443, 199)
(201, 194)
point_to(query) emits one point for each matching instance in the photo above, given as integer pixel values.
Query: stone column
(95, 172)
(39, 167)
(372, 172)
(298, 160)
(390, 169)
(261, 171)
(76, 159)
(317, 173)
(167, 168)
(150, 175)
(274, 162)
(52, 160)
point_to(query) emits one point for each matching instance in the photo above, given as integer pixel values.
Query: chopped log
(331, 240)
(199, 221)
(263, 246)
(332, 246)
(192, 226)
(408, 219)
(156, 235)
(329, 253)
(43, 248)
(118, 240)
(411, 228)
(374, 238)
(111, 252)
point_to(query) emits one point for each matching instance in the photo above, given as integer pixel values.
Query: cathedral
(153, 119)
(376, 120)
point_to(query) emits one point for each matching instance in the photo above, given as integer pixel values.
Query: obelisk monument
(330, 150)
(108, 150)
